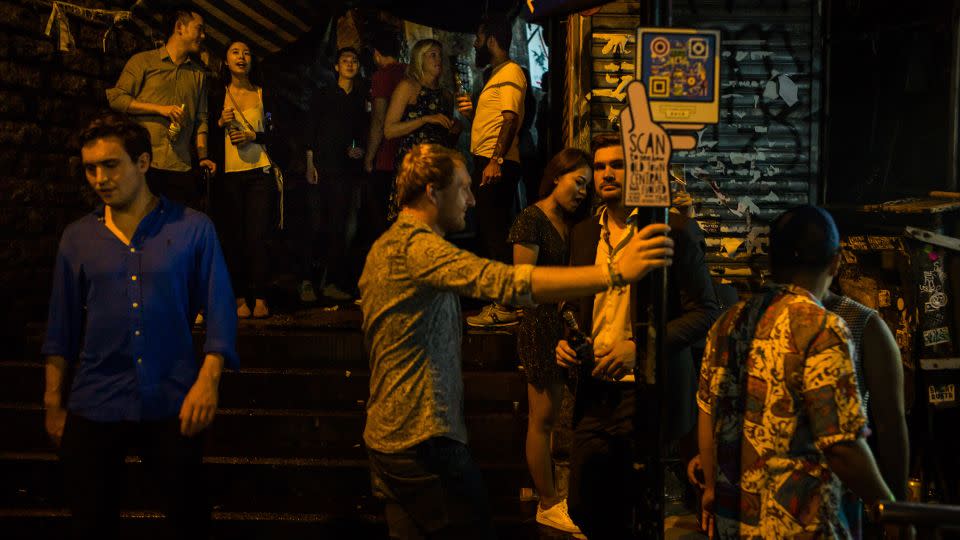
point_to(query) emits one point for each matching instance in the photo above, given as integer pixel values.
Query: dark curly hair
(134, 137)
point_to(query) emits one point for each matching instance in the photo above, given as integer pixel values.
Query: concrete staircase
(285, 456)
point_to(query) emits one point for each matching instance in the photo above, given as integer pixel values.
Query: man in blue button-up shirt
(129, 280)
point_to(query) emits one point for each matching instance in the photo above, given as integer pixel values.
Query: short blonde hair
(423, 165)
(420, 48)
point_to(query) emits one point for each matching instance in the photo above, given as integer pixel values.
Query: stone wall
(45, 96)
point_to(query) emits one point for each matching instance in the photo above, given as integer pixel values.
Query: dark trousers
(330, 208)
(494, 211)
(433, 490)
(603, 494)
(374, 205)
(93, 458)
(308, 224)
(243, 204)
(182, 187)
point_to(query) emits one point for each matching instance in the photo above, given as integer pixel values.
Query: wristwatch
(498, 159)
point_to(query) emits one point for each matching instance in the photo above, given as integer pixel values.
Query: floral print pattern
(798, 395)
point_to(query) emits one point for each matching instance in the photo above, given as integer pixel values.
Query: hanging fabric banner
(58, 20)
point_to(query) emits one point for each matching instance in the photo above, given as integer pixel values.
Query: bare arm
(853, 463)
(646, 251)
(434, 261)
(205, 161)
(377, 118)
(508, 130)
(202, 146)
(492, 172)
(55, 414)
(393, 127)
(883, 371)
(56, 367)
(142, 107)
(705, 443)
(525, 253)
(556, 283)
(708, 462)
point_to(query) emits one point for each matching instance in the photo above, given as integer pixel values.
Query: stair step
(24, 525)
(54, 523)
(494, 437)
(331, 347)
(340, 487)
(271, 388)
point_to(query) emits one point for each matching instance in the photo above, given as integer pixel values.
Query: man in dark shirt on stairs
(337, 126)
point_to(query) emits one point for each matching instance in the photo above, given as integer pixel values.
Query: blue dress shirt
(122, 315)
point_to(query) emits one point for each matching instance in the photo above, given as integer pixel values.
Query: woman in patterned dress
(539, 236)
(420, 110)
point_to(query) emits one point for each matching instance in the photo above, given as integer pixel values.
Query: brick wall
(45, 96)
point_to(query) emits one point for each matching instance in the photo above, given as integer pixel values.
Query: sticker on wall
(944, 393)
(936, 336)
(858, 243)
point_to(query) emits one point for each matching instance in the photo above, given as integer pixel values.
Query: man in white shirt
(495, 148)
(603, 482)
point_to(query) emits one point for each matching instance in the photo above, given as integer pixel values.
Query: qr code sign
(945, 393)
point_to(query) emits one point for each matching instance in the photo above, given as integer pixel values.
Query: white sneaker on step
(558, 517)
(494, 316)
(334, 293)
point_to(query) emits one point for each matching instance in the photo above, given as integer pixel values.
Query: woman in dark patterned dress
(539, 236)
(420, 110)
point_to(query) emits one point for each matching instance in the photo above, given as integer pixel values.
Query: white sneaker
(494, 316)
(334, 293)
(557, 517)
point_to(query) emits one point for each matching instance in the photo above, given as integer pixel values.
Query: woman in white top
(244, 195)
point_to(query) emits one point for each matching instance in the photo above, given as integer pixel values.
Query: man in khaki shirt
(165, 91)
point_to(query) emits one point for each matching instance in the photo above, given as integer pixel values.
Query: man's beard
(483, 57)
(607, 197)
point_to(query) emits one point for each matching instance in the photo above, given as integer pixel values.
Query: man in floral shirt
(781, 421)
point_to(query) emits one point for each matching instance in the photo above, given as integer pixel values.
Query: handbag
(277, 173)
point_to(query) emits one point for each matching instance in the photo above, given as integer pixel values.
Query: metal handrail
(917, 514)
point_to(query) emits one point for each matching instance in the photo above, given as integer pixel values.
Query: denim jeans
(433, 490)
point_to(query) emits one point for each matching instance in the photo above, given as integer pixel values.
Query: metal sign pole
(677, 88)
(647, 149)
(651, 393)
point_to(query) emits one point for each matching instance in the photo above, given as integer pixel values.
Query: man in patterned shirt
(415, 432)
(781, 421)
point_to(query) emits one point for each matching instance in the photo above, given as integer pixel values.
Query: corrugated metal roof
(267, 25)
(270, 25)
